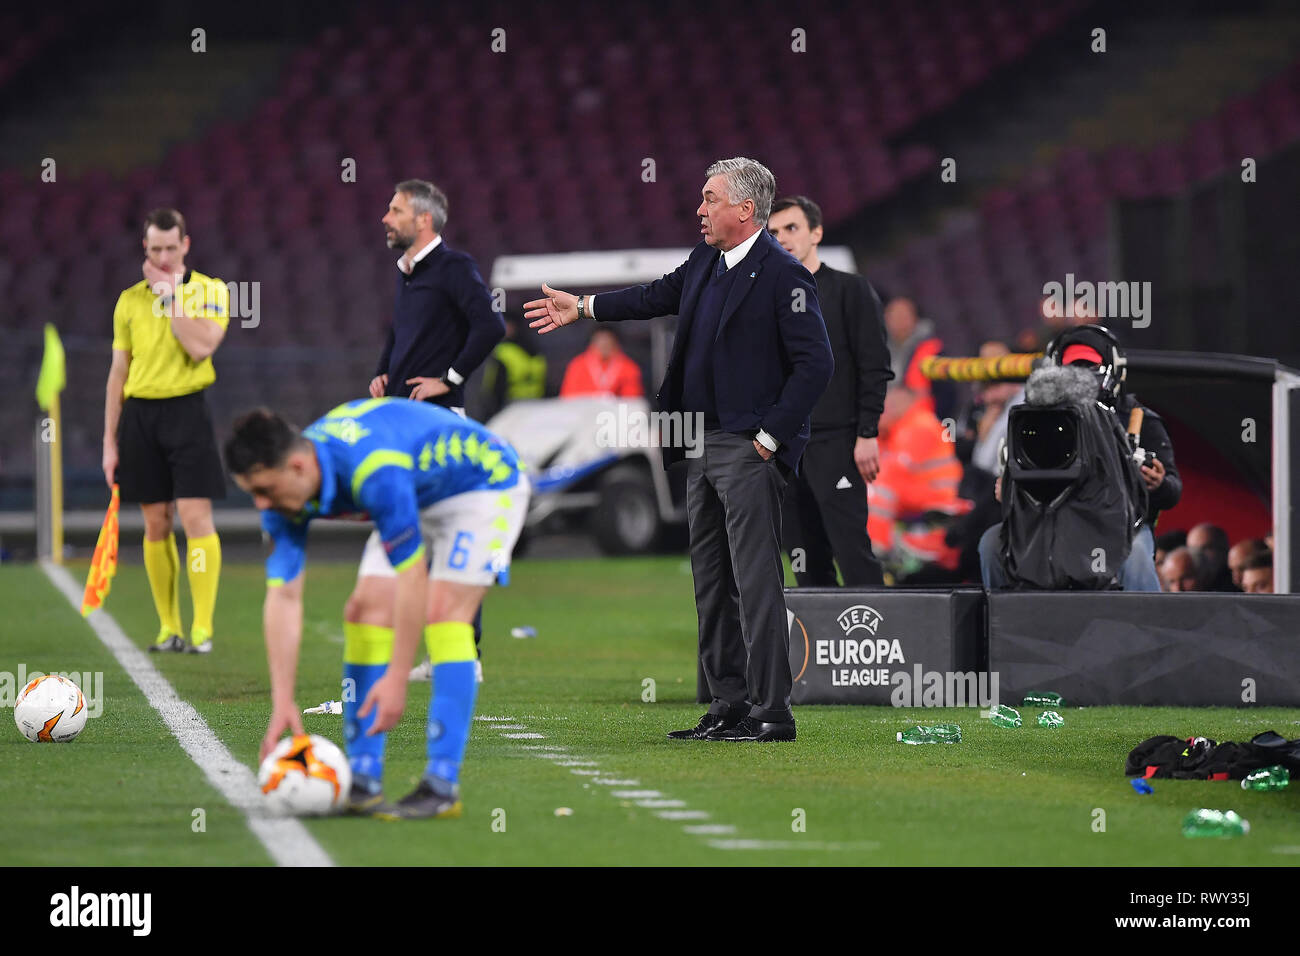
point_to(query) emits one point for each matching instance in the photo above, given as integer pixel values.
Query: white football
(50, 709)
(305, 775)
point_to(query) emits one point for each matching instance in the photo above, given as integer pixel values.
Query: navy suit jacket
(771, 357)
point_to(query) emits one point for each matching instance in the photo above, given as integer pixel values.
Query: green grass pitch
(124, 793)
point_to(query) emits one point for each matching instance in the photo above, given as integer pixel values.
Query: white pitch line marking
(524, 736)
(611, 782)
(576, 763)
(287, 841)
(545, 748)
(682, 814)
(585, 773)
(661, 804)
(709, 829)
(1287, 849)
(509, 726)
(635, 794)
(491, 720)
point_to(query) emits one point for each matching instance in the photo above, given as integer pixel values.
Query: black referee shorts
(167, 449)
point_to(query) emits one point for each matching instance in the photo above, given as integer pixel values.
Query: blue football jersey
(384, 459)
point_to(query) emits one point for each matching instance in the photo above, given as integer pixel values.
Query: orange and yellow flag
(104, 564)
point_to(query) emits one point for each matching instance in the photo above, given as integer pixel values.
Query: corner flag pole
(50, 438)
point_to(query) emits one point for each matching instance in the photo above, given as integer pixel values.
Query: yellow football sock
(163, 566)
(449, 642)
(204, 567)
(367, 643)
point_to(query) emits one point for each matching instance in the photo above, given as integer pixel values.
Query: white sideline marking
(790, 845)
(286, 839)
(491, 720)
(664, 808)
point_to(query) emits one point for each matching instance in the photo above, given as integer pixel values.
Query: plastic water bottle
(1270, 778)
(1006, 716)
(1214, 823)
(1043, 698)
(937, 734)
(1050, 718)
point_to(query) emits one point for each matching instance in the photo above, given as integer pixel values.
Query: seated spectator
(1168, 542)
(602, 369)
(1239, 554)
(1212, 542)
(1184, 569)
(918, 480)
(1257, 575)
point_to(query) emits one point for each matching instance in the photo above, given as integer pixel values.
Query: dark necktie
(722, 266)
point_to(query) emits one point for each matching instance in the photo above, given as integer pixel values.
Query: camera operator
(1094, 347)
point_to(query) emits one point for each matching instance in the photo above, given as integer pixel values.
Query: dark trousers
(826, 516)
(733, 507)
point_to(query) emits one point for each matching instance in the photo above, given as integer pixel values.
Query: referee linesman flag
(104, 563)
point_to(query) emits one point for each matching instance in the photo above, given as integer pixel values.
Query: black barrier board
(864, 647)
(1176, 650)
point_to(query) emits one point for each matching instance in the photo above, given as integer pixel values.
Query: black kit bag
(1199, 758)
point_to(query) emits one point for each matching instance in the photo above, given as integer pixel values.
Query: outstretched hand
(558, 309)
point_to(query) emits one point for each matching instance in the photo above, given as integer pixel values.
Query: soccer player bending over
(448, 499)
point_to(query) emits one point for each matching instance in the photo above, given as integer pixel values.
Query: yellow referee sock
(163, 566)
(204, 567)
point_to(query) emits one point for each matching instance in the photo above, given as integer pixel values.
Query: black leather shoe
(759, 730)
(707, 725)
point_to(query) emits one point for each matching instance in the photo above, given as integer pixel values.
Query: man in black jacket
(826, 503)
(443, 328)
(749, 362)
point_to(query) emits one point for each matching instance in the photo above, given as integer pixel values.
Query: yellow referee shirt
(160, 366)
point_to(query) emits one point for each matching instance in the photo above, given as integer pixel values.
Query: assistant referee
(159, 444)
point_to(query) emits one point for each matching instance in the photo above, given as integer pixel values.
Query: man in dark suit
(443, 328)
(826, 503)
(750, 360)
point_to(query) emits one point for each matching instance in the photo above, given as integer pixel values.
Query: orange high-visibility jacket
(919, 472)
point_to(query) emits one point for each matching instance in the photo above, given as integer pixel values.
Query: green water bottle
(1050, 718)
(1006, 716)
(937, 734)
(1214, 823)
(1270, 778)
(1043, 698)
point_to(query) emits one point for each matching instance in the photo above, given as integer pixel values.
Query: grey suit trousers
(733, 506)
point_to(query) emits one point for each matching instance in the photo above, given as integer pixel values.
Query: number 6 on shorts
(460, 551)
